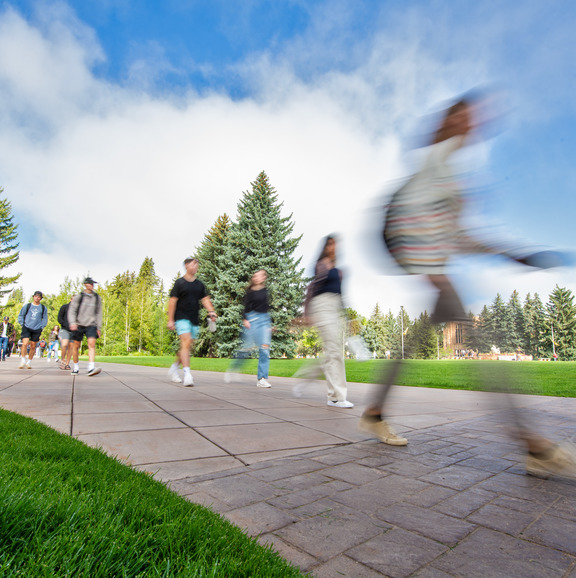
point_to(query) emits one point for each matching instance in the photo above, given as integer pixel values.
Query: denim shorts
(185, 326)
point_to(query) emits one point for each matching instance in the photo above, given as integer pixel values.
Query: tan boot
(381, 430)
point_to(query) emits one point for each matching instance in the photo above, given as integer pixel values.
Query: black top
(256, 301)
(332, 283)
(189, 295)
(63, 317)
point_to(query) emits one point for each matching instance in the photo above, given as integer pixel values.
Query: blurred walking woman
(325, 310)
(257, 328)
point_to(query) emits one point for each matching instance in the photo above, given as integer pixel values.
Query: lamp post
(402, 326)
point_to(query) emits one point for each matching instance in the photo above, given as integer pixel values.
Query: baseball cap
(90, 281)
(6, 318)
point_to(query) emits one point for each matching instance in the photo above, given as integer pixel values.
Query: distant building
(454, 336)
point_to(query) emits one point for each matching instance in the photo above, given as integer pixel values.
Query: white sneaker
(232, 377)
(28, 365)
(344, 404)
(173, 375)
(263, 383)
(188, 379)
(22, 363)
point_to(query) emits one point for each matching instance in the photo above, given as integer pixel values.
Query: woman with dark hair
(324, 309)
(257, 329)
(422, 231)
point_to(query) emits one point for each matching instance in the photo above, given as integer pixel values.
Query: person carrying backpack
(33, 317)
(85, 318)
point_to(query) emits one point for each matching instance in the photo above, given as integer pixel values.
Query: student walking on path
(257, 329)
(85, 319)
(33, 317)
(7, 330)
(183, 317)
(422, 231)
(324, 309)
(65, 335)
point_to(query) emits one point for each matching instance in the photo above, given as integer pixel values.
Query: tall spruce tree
(8, 244)
(561, 316)
(499, 322)
(534, 317)
(209, 254)
(260, 238)
(422, 338)
(515, 337)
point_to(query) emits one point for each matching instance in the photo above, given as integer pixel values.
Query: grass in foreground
(70, 510)
(533, 377)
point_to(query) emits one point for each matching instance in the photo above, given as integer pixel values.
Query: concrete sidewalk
(454, 502)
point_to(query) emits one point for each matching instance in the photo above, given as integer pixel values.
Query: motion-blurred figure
(257, 329)
(422, 231)
(324, 309)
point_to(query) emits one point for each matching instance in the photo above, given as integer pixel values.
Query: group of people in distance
(81, 317)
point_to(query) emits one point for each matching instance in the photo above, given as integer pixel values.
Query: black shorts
(32, 334)
(89, 331)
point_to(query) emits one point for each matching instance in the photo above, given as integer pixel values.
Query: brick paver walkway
(297, 474)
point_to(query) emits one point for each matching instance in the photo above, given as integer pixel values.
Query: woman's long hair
(327, 239)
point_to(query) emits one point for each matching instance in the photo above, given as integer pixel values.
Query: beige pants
(326, 314)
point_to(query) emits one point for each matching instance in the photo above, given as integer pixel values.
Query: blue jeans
(259, 335)
(3, 347)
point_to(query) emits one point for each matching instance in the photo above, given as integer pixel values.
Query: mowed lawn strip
(531, 377)
(70, 510)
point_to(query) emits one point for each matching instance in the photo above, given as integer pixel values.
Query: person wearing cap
(85, 318)
(33, 317)
(183, 317)
(7, 331)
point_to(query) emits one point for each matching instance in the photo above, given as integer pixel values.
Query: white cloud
(108, 174)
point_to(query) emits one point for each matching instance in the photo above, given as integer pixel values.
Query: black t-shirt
(256, 301)
(189, 294)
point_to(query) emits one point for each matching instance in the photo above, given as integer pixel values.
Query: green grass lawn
(534, 377)
(70, 510)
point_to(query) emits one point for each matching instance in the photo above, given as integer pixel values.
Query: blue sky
(143, 121)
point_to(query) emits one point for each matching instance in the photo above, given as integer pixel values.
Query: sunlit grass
(534, 377)
(70, 510)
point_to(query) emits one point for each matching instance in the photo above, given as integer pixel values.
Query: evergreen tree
(534, 317)
(210, 255)
(561, 320)
(483, 339)
(499, 322)
(8, 244)
(375, 332)
(402, 327)
(145, 302)
(259, 239)
(422, 338)
(515, 337)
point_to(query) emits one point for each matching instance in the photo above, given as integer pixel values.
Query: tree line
(134, 304)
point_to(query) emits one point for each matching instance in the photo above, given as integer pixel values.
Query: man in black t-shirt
(183, 316)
